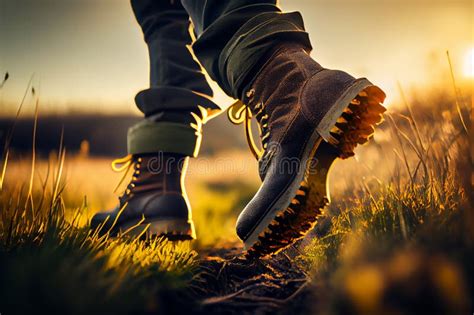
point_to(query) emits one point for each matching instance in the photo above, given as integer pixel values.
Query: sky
(89, 55)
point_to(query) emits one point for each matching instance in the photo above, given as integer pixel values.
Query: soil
(227, 282)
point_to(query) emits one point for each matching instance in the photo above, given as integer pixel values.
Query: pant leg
(236, 37)
(177, 84)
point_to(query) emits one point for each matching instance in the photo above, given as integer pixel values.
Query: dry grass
(399, 229)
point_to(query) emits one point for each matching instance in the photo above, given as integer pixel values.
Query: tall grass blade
(12, 130)
(412, 116)
(4, 168)
(5, 79)
(33, 157)
(396, 131)
(57, 178)
(456, 94)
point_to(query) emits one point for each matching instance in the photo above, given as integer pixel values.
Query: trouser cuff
(159, 98)
(243, 56)
(150, 137)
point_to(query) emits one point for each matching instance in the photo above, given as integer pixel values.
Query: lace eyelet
(241, 113)
(250, 94)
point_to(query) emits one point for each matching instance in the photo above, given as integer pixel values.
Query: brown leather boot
(154, 202)
(308, 117)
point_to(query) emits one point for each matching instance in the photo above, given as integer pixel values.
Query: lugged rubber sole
(350, 122)
(171, 229)
(356, 124)
(301, 215)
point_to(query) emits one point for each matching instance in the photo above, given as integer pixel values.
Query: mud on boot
(308, 117)
(154, 202)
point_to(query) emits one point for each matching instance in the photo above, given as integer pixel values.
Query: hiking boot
(308, 116)
(154, 202)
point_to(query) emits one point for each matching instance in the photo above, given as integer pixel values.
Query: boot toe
(99, 218)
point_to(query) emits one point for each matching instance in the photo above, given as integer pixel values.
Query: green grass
(50, 262)
(397, 238)
(402, 244)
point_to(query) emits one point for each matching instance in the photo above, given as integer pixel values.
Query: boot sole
(174, 230)
(350, 122)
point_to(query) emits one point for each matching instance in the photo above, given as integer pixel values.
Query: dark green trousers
(230, 39)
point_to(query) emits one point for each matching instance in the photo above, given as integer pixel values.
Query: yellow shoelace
(125, 163)
(120, 165)
(239, 113)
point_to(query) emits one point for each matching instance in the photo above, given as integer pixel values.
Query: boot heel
(353, 118)
(173, 229)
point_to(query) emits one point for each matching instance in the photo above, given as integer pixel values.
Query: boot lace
(124, 165)
(239, 113)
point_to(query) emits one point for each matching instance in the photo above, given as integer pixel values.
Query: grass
(51, 262)
(54, 262)
(397, 238)
(403, 243)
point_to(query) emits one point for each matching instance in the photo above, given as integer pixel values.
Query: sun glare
(469, 64)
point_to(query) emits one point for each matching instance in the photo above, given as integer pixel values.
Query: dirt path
(227, 282)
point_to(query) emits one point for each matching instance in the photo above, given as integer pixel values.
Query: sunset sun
(469, 64)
